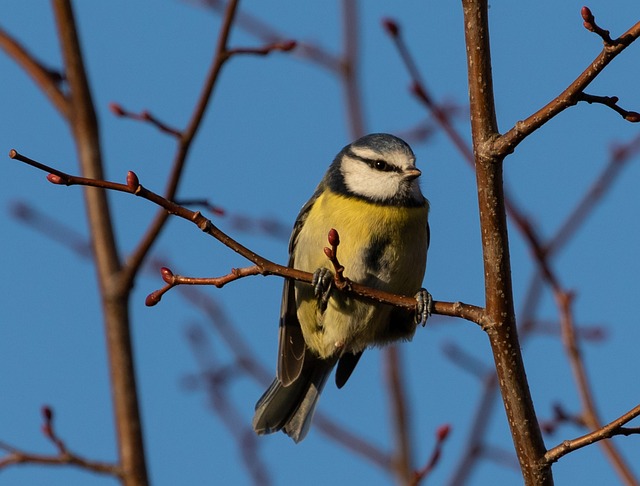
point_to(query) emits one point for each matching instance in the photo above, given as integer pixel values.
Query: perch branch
(266, 267)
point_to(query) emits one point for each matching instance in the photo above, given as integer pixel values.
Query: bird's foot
(322, 285)
(424, 306)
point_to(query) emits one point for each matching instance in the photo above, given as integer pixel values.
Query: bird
(371, 196)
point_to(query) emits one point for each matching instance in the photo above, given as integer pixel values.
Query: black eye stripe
(377, 164)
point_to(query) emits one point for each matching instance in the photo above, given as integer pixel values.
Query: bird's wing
(291, 344)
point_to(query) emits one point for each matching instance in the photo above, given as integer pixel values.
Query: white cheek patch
(365, 181)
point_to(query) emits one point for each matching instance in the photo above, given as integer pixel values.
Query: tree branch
(266, 267)
(47, 80)
(503, 336)
(84, 125)
(64, 457)
(220, 56)
(400, 416)
(611, 102)
(506, 143)
(17, 457)
(350, 69)
(610, 430)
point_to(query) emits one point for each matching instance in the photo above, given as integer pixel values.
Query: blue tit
(372, 197)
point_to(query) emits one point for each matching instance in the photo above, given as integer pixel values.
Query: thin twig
(441, 436)
(220, 56)
(265, 50)
(606, 432)
(590, 414)
(17, 457)
(611, 102)
(46, 79)
(421, 92)
(217, 379)
(244, 356)
(591, 25)
(505, 144)
(64, 457)
(145, 116)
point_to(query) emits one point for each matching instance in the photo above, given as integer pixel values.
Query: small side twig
(144, 116)
(64, 456)
(606, 432)
(611, 102)
(560, 416)
(172, 280)
(282, 46)
(590, 24)
(466, 361)
(506, 143)
(441, 436)
(47, 79)
(419, 90)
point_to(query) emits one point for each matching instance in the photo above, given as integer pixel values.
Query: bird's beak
(412, 174)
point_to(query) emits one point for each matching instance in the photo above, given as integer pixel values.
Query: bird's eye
(380, 165)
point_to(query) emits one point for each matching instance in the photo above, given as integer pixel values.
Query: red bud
(287, 45)
(167, 275)
(587, 16)
(132, 180)
(391, 27)
(55, 179)
(632, 116)
(333, 237)
(47, 413)
(153, 298)
(443, 432)
(116, 109)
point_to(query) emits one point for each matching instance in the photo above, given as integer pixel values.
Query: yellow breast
(380, 246)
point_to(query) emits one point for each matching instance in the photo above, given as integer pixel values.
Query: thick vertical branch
(401, 416)
(351, 67)
(84, 125)
(503, 334)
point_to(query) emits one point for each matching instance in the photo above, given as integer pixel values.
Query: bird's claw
(424, 306)
(322, 284)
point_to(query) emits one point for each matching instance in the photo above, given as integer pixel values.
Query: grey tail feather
(291, 408)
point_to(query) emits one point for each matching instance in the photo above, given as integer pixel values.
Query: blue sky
(274, 125)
